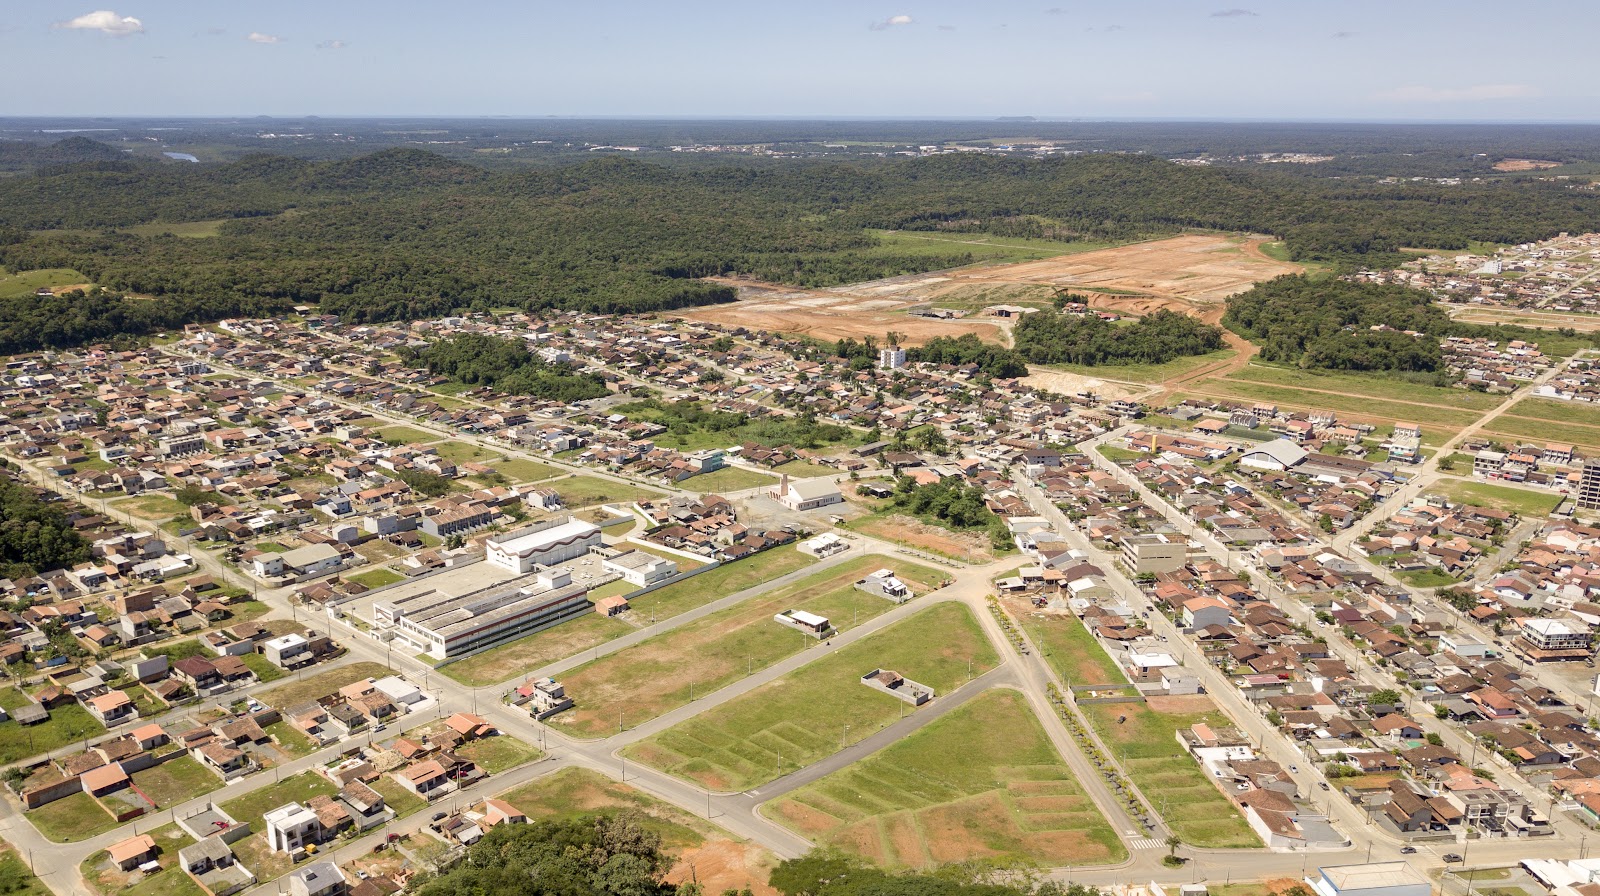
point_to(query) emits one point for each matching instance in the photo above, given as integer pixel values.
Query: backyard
(321, 684)
(981, 784)
(75, 817)
(807, 714)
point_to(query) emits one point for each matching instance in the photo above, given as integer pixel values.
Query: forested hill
(404, 233)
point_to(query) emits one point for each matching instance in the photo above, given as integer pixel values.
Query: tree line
(505, 365)
(35, 536)
(1052, 337)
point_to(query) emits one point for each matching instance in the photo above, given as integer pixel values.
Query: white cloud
(1421, 94)
(259, 38)
(106, 22)
(332, 45)
(1234, 13)
(890, 22)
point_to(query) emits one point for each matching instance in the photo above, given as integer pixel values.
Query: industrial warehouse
(445, 627)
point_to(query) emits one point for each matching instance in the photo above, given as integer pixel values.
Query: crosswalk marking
(1147, 843)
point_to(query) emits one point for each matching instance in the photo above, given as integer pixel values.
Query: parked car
(1294, 769)
(1323, 784)
(1452, 857)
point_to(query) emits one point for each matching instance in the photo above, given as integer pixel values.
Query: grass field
(522, 656)
(1426, 578)
(189, 229)
(463, 452)
(1182, 794)
(1441, 419)
(582, 491)
(291, 740)
(801, 716)
(76, 817)
(175, 781)
(401, 800)
(17, 880)
(24, 284)
(1117, 455)
(67, 723)
(249, 809)
(983, 783)
(662, 673)
(321, 684)
(1521, 501)
(151, 507)
(1514, 430)
(1071, 650)
(1370, 385)
(542, 648)
(703, 851)
(728, 479)
(517, 469)
(1147, 373)
(376, 578)
(406, 434)
(499, 753)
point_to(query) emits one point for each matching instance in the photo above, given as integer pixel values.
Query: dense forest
(404, 233)
(690, 418)
(34, 536)
(1350, 325)
(953, 504)
(1051, 337)
(505, 365)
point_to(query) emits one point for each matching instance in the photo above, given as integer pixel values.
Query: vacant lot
(866, 309)
(1069, 648)
(1181, 791)
(1370, 385)
(1521, 501)
(176, 781)
(982, 783)
(662, 673)
(249, 809)
(703, 851)
(517, 469)
(1555, 428)
(406, 434)
(376, 578)
(582, 491)
(983, 247)
(77, 817)
(728, 479)
(321, 684)
(801, 716)
(969, 547)
(151, 507)
(1439, 422)
(1149, 374)
(67, 723)
(499, 753)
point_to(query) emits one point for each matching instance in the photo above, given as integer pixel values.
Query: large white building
(640, 568)
(1374, 879)
(808, 494)
(443, 626)
(543, 544)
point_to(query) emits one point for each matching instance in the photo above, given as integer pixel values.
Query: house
(133, 852)
(469, 726)
(198, 672)
(318, 879)
(112, 708)
(211, 864)
(425, 779)
(640, 568)
(291, 827)
(501, 812)
(807, 494)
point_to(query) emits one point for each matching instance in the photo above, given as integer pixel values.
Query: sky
(1413, 60)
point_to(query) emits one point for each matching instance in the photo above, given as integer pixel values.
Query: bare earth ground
(1191, 274)
(1524, 164)
(1188, 703)
(723, 865)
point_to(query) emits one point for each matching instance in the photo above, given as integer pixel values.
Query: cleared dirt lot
(1191, 274)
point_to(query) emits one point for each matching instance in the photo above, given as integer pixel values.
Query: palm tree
(1172, 846)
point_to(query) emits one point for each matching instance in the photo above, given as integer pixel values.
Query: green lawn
(406, 434)
(1179, 789)
(662, 673)
(728, 479)
(291, 740)
(152, 507)
(802, 715)
(1512, 430)
(24, 284)
(1521, 501)
(376, 578)
(499, 753)
(517, 469)
(981, 784)
(583, 491)
(401, 800)
(1426, 578)
(67, 723)
(175, 781)
(263, 668)
(465, 452)
(249, 809)
(801, 469)
(321, 684)
(77, 817)
(1117, 454)
(1148, 373)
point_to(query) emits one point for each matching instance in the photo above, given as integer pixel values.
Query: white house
(807, 494)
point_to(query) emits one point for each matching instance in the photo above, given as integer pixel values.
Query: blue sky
(1309, 59)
